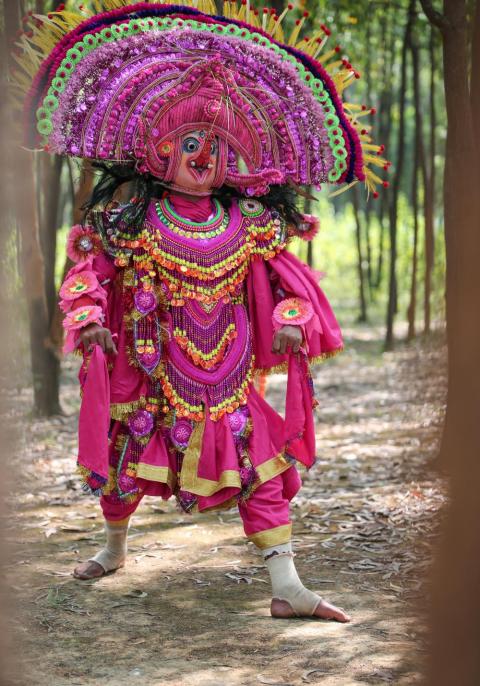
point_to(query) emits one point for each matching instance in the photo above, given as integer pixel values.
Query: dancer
(183, 290)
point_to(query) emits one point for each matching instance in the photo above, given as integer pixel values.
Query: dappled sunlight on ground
(192, 604)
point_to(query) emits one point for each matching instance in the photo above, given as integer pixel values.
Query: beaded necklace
(189, 229)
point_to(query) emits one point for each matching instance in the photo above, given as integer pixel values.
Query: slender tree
(362, 300)
(419, 166)
(429, 184)
(392, 288)
(43, 359)
(456, 602)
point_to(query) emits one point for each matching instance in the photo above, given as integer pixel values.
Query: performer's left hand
(287, 336)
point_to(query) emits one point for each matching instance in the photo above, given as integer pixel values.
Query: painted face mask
(197, 167)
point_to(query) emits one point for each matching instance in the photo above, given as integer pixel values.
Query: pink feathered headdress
(123, 83)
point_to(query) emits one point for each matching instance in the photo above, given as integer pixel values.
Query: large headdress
(124, 84)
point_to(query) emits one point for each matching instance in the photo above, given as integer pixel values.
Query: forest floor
(192, 604)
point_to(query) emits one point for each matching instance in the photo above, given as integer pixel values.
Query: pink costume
(187, 419)
(194, 292)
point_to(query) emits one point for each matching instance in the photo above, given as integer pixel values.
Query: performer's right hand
(94, 333)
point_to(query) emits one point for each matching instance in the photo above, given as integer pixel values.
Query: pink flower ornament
(309, 227)
(77, 319)
(82, 242)
(78, 285)
(82, 316)
(293, 312)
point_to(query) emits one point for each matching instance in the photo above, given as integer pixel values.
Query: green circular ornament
(50, 103)
(59, 84)
(90, 41)
(67, 66)
(42, 114)
(74, 55)
(333, 175)
(45, 127)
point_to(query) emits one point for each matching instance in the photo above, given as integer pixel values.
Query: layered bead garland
(191, 288)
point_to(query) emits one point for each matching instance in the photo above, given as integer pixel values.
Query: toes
(325, 610)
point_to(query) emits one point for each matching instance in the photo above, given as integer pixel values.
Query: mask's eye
(190, 145)
(214, 148)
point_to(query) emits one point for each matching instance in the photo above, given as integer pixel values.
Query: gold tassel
(296, 32)
(328, 55)
(188, 476)
(342, 190)
(278, 23)
(372, 176)
(377, 161)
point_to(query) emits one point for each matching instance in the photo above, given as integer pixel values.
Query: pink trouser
(265, 514)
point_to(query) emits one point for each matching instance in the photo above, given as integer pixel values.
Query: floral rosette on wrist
(78, 319)
(292, 312)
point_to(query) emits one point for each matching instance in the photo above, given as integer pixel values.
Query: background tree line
(393, 266)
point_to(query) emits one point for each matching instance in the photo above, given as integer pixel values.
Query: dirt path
(191, 606)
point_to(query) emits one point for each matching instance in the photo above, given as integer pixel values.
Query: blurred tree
(456, 602)
(35, 263)
(392, 287)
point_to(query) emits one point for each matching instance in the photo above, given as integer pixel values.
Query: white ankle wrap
(113, 555)
(286, 584)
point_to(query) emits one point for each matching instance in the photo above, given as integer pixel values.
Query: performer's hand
(94, 333)
(287, 336)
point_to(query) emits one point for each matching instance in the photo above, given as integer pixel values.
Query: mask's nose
(204, 158)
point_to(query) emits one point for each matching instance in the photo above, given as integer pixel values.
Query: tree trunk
(456, 601)
(362, 316)
(43, 358)
(429, 180)
(412, 307)
(392, 286)
(418, 165)
(385, 127)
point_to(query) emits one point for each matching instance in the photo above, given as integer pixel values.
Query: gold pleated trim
(120, 411)
(283, 366)
(154, 473)
(268, 537)
(272, 468)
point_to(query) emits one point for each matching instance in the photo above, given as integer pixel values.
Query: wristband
(292, 312)
(82, 316)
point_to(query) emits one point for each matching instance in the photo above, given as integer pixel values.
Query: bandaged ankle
(113, 555)
(286, 584)
(281, 549)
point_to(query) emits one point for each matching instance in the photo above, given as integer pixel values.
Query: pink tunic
(190, 306)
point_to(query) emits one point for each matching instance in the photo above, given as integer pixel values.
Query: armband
(77, 285)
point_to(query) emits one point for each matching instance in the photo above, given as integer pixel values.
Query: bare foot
(89, 570)
(282, 609)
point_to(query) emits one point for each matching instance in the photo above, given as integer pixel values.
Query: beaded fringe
(283, 366)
